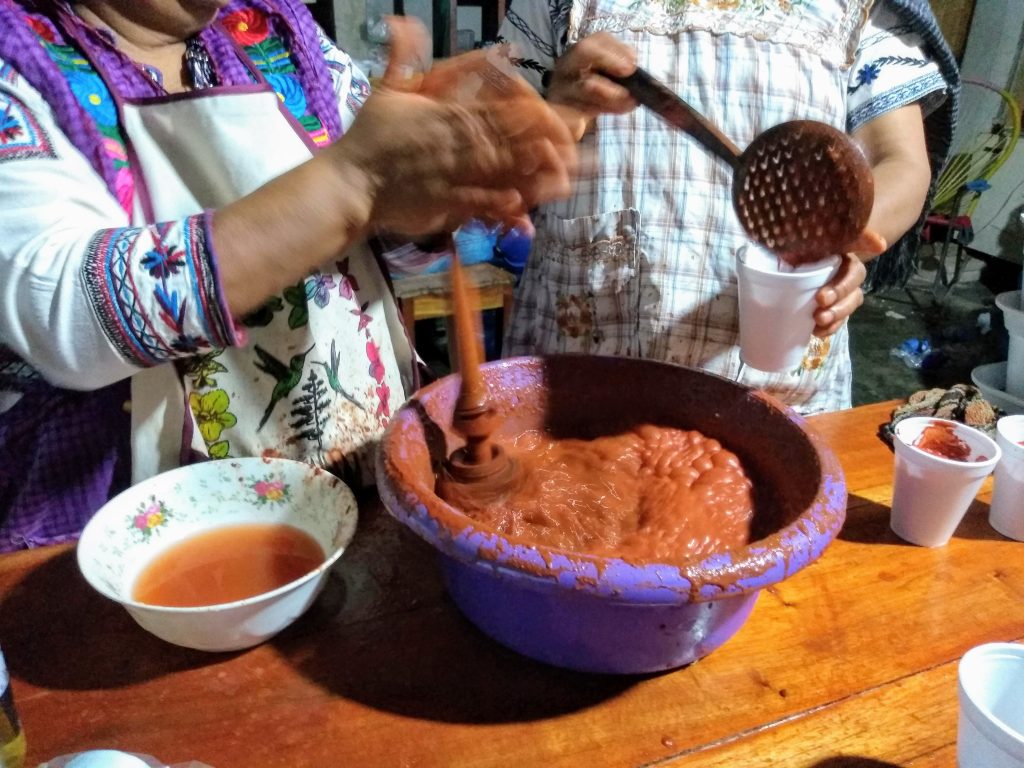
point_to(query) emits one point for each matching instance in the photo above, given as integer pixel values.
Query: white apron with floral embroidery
(325, 364)
(639, 261)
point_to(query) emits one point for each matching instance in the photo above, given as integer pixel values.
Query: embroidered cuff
(156, 292)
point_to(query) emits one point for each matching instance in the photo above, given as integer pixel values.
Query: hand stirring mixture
(481, 469)
(802, 189)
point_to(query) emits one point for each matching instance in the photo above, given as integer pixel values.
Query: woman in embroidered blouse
(639, 259)
(176, 176)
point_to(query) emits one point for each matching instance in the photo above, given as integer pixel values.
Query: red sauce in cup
(940, 439)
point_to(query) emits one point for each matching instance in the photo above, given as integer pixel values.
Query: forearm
(288, 228)
(895, 147)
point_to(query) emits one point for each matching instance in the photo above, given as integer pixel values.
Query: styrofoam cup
(990, 731)
(776, 307)
(1013, 318)
(931, 494)
(1006, 513)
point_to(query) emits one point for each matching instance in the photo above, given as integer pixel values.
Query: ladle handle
(659, 99)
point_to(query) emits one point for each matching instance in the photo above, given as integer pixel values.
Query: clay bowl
(601, 614)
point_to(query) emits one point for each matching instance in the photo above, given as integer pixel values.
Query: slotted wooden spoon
(803, 189)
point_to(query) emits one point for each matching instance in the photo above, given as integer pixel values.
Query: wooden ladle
(802, 189)
(481, 469)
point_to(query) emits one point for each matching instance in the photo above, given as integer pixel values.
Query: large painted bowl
(603, 614)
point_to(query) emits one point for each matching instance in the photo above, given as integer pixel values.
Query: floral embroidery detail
(575, 314)
(383, 407)
(376, 365)
(42, 29)
(817, 354)
(212, 416)
(289, 92)
(149, 518)
(364, 318)
(21, 136)
(247, 26)
(758, 7)
(91, 92)
(348, 285)
(869, 72)
(318, 288)
(269, 490)
(202, 368)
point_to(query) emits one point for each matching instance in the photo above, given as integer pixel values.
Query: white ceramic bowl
(990, 379)
(129, 530)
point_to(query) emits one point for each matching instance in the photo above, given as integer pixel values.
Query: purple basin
(600, 614)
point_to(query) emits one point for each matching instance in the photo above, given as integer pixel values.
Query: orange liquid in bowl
(227, 564)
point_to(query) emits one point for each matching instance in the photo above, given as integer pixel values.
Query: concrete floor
(958, 339)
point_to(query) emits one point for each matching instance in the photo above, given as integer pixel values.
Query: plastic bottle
(12, 738)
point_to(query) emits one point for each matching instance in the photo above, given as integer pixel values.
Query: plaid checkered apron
(640, 260)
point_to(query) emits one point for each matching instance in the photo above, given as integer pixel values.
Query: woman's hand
(468, 138)
(840, 297)
(580, 90)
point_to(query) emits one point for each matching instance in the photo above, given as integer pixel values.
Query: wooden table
(850, 661)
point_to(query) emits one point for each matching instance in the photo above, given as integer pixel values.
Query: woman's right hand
(469, 138)
(577, 83)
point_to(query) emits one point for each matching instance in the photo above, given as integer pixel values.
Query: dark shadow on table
(845, 761)
(395, 642)
(867, 522)
(79, 640)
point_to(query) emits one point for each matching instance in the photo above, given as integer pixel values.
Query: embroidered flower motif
(10, 128)
(149, 517)
(42, 29)
(364, 318)
(290, 92)
(383, 404)
(163, 260)
(376, 366)
(92, 94)
(868, 73)
(574, 315)
(348, 285)
(212, 415)
(247, 26)
(817, 354)
(124, 188)
(269, 491)
(318, 289)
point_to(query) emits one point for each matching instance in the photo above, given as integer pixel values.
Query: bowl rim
(745, 569)
(330, 558)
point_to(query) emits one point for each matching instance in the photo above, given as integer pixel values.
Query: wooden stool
(425, 297)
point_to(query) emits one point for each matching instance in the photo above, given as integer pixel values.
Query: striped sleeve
(891, 70)
(85, 297)
(536, 30)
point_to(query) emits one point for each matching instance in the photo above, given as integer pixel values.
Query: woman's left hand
(840, 297)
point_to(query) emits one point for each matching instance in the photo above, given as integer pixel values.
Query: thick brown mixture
(654, 493)
(940, 438)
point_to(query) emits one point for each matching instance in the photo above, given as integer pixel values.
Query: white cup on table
(1006, 513)
(990, 688)
(776, 307)
(931, 493)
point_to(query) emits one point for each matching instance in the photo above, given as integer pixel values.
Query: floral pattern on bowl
(129, 530)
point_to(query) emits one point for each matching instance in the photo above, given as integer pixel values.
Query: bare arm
(895, 148)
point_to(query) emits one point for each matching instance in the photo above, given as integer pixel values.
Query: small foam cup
(990, 729)
(776, 307)
(1006, 513)
(931, 494)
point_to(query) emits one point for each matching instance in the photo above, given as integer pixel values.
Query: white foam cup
(776, 307)
(1006, 513)
(931, 494)
(990, 687)
(1013, 319)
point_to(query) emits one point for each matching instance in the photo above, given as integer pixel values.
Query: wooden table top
(851, 662)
